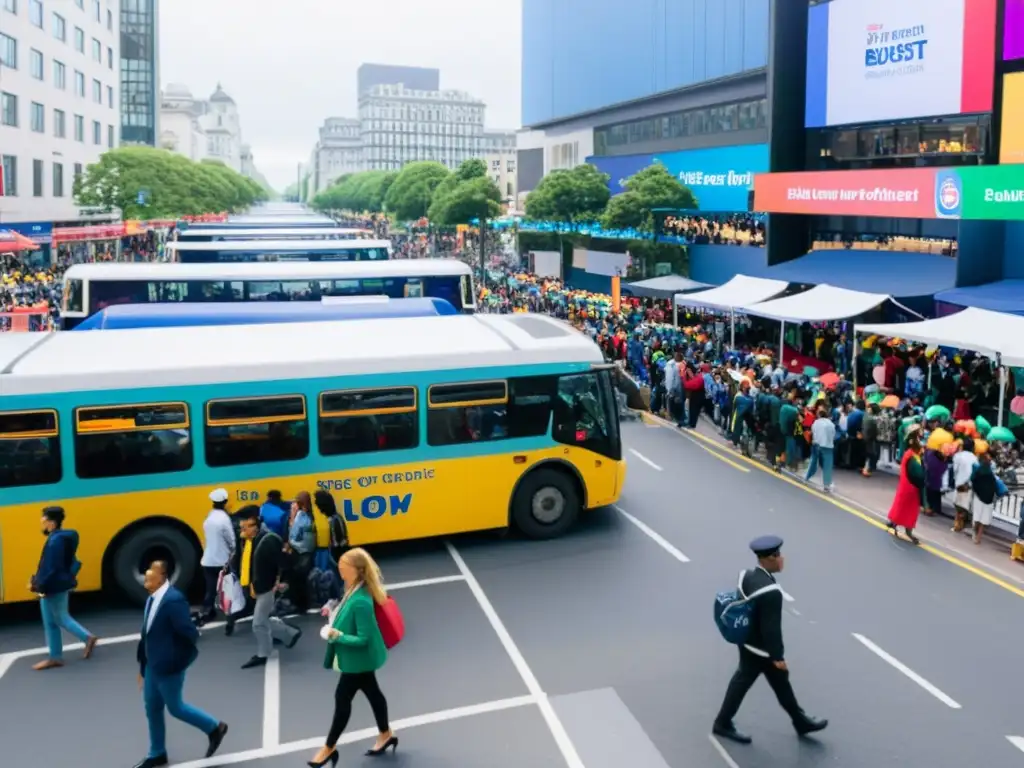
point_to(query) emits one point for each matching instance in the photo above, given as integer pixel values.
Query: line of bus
(89, 288)
(264, 222)
(189, 252)
(419, 427)
(276, 233)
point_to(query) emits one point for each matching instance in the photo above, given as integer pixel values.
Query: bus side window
(254, 430)
(368, 420)
(470, 412)
(584, 415)
(29, 448)
(129, 440)
(529, 405)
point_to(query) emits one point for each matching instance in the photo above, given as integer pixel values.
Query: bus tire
(546, 504)
(143, 545)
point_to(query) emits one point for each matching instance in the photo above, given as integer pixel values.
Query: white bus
(230, 234)
(89, 288)
(278, 250)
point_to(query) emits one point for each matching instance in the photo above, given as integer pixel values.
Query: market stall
(739, 292)
(664, 287)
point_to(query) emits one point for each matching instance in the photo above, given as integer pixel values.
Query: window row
(9, 163)
(36, 13)
(9, 116)
(155, 438)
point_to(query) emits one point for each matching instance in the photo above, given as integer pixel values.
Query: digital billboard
(1013, 30)
(880, 60)
(994, 192)
(1011, 142)
(721, 178)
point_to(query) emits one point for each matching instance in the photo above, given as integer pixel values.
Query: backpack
(733, 610)
(323, 586)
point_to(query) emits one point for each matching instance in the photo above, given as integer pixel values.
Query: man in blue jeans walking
(823, 446)
(55, 577)
(166, 650)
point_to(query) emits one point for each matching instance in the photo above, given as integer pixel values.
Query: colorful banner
(94, 232)
(880, 60)
(721, 179)
(1011, 142)
(1013, 30)
(993, 192)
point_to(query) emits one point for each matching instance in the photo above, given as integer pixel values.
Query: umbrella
(878, 374)
(938, 438)
(937, 412)
(11, 241)
(951, 448)
(876, 397)
(983, 426)
(965, 427)
(980, 447)
(829, 380)
(1017, 405)
(1000, 435)
(890, 401)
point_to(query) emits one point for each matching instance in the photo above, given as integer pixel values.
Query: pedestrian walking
(763, 653)
(167, 648)
(53, 581)
(218, 547)
(356, 649)
(823, 441)
(906, 504)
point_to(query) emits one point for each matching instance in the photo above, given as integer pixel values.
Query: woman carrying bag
(356, 649)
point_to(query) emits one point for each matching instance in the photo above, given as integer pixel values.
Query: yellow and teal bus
(419, 427)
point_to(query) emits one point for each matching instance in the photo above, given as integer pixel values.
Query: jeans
(160, 691)
(268, 628)
(54, 609)
(211, 575)
(824, 456)
(793, 453)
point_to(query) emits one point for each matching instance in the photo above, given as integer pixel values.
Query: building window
(35, 12)
(79, 40)
(79, 84)
(110, 96)
(8, 51)
(110, 136)
(97, 50)
(78, 171)
(35, 63)
(58, 180)
(37, 117)
(97, 91)
(60, 28)
(10, 167)
(96, 10)
(37, 178)
(80, 4)
(59, 75)
(79, 128)
(110, 20)
(11, 6)
(60, 124)
(97, 133)
(110, 57)
(8, 109)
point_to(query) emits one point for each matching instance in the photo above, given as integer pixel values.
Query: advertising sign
(1013, 30)
(879, 60)
(993, 192)
(1011, 142)
(721, 179)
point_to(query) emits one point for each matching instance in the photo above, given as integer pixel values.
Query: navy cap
(766, 546)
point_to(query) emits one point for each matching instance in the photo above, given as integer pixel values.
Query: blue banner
(40, 232)
(722, 179)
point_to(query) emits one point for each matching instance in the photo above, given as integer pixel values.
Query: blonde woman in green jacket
(356, 649)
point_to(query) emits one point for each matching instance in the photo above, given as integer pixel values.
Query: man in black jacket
(764, 653)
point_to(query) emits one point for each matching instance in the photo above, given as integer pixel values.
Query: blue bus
(223, 252)
(272, 233)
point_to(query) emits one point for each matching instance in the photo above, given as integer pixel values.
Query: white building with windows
(202, 129)
(339, 151)
(59, 101)
(499, 148)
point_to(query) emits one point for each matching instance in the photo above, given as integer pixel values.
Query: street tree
(647, 190)
(570, 196)
(410, 195)
(467, 195)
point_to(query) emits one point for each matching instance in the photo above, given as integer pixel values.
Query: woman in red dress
(907, 504)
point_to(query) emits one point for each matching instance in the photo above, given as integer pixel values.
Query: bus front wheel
(144, 545)
(546, 504)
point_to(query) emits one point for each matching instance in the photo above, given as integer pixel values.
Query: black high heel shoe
(391, 744)
(331, 758)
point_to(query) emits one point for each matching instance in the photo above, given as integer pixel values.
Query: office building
(499, 154)
(140, 71)
(338, 151)
(416, 78)
(59, 104)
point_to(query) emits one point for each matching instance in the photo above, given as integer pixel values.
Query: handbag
(390, 622)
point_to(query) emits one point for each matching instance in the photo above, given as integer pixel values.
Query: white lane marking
(722, 751)
(1017, 741)
(565, 745)
(644, 459)
(901, 667)
(272, 701)
(7, 658)
(433, 718)
(654, 536)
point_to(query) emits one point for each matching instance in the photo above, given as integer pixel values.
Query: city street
(596, 650)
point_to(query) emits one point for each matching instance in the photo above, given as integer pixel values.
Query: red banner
(80, 234)
(905, 193)
(207, 218)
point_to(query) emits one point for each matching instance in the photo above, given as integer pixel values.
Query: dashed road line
(653, 535)
(901, 667)
(722, 751)
(644, 459)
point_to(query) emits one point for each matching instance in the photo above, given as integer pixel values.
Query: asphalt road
(593, 651)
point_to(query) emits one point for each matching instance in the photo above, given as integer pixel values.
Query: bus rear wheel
(140, 548)
(546, 504)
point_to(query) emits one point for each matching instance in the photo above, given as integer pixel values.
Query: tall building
(59, 99)
(202, 129)
(401, 125)
(140, 72)
(499, 154)
(416, 78)
(338, 151)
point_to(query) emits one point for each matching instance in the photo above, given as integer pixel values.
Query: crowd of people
(721, 229)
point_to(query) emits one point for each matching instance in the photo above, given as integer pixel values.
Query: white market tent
(739, 292)
(664, 286)
(822, 302)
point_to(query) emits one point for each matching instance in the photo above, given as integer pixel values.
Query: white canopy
(822, 302)
(979, 330)
(665, 286)
(739, 292)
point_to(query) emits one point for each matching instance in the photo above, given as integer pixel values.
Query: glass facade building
(140, 81)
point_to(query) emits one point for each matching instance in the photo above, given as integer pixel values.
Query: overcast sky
(288, 65)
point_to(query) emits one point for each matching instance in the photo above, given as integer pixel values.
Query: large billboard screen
(992, 192)
(1011, 141)
(1013, 30)
(880, 60)
(721, 179)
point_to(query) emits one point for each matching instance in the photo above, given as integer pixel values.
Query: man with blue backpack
(751, 617)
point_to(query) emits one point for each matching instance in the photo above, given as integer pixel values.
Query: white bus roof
(266, 234)
(278, 246)
(14, 345)
(271, 270)
(67, 361)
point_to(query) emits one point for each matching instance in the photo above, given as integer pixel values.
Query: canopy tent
(904, 275)
(1001, 296)
(738, 292)
(664, 287)
(823, 302)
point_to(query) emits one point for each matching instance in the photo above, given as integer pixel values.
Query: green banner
(994, 192)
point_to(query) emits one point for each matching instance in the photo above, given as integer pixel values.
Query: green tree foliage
(356, 192)
(570, 196)
(465, 195)
(410, 195)
(172, 185)
(648, 189)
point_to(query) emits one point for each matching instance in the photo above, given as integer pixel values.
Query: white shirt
(154, 606)
(220, 539)
(963, 466)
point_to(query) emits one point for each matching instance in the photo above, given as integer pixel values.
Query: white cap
(218, 496)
